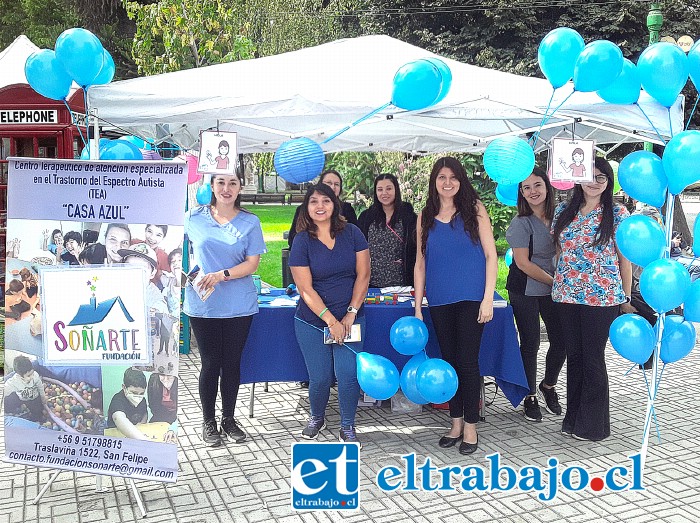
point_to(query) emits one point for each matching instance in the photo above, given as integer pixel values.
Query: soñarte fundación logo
(325, 476)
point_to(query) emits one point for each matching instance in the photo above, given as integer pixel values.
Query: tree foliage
(40, 20)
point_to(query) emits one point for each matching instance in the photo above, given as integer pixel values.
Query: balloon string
(653, 411)
(630, 369)
(670, 125)
(359, 120)
(697, 98)
(650, 123)
(82, 138)
(321, 330)
(544, 116)
(547, 117)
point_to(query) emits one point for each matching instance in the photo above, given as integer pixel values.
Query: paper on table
(284, 302)
(500, 304)
(396, 290)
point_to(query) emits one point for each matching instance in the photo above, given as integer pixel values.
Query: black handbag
(516, 282)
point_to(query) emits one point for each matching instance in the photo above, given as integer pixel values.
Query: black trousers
(586, 332)
(459, 337)
(220, 342)
(527, 311)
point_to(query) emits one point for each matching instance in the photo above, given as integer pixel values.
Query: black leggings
(220, 342)
(459, 337)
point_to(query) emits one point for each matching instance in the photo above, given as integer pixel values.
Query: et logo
(325, 476)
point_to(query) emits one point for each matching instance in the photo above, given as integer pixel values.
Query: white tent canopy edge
(317, 91)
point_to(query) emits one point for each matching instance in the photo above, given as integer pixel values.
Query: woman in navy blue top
(330, 264)
(456, 268)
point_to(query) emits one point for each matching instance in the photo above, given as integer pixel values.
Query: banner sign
(92, 299)
(28, 116)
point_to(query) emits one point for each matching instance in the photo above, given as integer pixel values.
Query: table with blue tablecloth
(272, 353)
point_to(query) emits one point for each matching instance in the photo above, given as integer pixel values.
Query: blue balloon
(696, 237)
(204, 194)
(691, 307)
(377, 375)
(507, 194)
(625, 89)
(85, 153)
(81, 54)
(632, 337)
(299, 160)
(446, 78)
(641, 239)
(557, 55)
(119, 150)
(642, 176)
(436, 380)
(140, 143)
(663, 70)
(694, 64)
(408, 335)
(46, 75)
(680, 160)
(417, 85)
(508, 258)
(106, 74)
(408, 378)
(597, 66)
(664, 284)
(509, 160)
(678, 339)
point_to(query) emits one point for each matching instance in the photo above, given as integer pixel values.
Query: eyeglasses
(599, 178)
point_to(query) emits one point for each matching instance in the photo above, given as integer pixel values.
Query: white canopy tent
(317, 91)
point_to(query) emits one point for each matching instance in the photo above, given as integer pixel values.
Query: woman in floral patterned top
(592, 284)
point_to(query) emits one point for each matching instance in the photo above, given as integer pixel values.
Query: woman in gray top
(530, 295)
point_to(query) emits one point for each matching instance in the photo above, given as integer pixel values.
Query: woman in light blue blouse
(226, 242)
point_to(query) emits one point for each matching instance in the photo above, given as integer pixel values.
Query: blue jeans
(321, 362)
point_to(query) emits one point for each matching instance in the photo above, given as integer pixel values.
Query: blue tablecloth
(272, 352)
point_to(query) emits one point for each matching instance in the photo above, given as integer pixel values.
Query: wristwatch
(352, 309)
(227, 275)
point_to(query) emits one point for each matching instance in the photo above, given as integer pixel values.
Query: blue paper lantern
(46, 75)
(81, 54)
(557, 55)
(509, 160)
(417, 85)
(299, 160)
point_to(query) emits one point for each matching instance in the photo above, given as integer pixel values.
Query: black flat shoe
(447, 442)
(468, 448)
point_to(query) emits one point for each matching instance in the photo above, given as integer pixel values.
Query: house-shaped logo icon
(93, 312)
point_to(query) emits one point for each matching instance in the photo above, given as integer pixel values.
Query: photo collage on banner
(93, 286)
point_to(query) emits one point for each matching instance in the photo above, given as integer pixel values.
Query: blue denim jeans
(322, 361)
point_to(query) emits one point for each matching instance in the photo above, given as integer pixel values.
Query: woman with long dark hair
(330, 264)
(390, 228)
(592, 283)
(530, 237)
(226, 242)
(456, 268)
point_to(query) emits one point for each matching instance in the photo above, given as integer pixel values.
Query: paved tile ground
(250, 482)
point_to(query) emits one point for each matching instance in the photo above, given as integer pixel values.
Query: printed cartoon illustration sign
(572, 160)
(218, 152)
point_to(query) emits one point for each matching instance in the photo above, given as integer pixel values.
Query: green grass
(276, 219)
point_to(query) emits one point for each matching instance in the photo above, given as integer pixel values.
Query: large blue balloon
(664, 284)
(204, 194)
(678, 339)
(46, 75)
(119, 150)
(694, 64)
(299, 160)
(641, 239)
(625, 89)
(408, 335)
(680, 160)
(598, 65)
(507, 194)
(691, 307)
(436, 380)
(417, 85)
(81, 54)
(508, 257)
(446, 78)
(641, 174)
(140, 143)
(377, 375)
(509, 160)
(632, 337)
(663, 70)
(557, 55)
(408, 378)
(107, 72)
